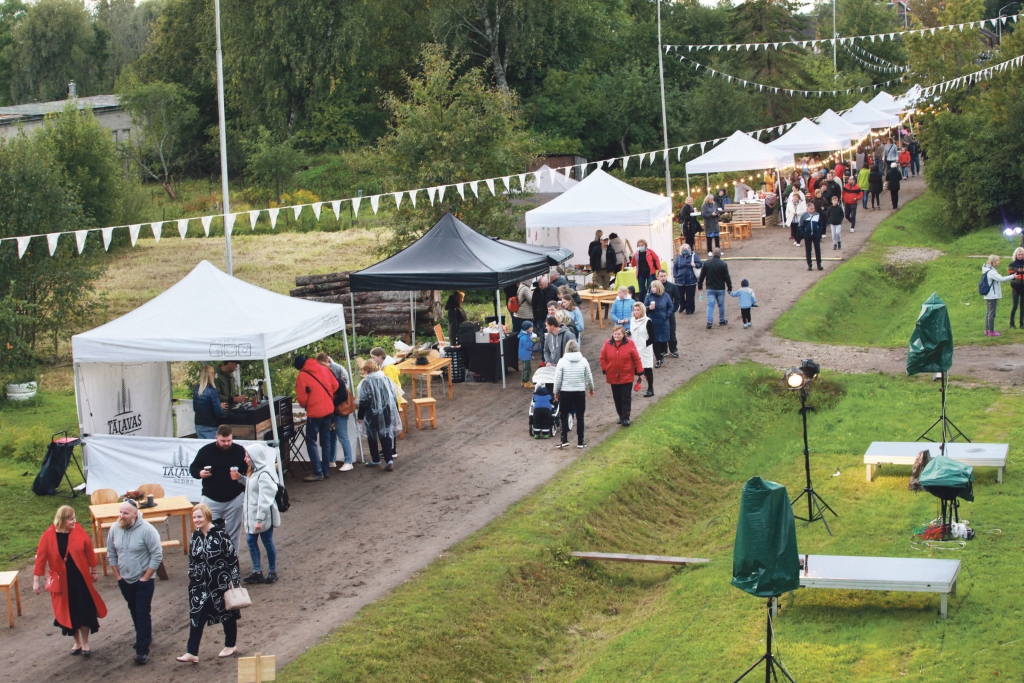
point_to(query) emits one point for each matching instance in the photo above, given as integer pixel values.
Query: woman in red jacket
(647, 266)
(620, 363)
(67, 549)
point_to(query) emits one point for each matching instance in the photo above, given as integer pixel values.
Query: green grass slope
(869, 301)
(509, 604)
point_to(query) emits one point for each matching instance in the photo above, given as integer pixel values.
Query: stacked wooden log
(375, 312)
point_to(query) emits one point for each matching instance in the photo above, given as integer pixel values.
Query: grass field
(509, 604)
(869, 301)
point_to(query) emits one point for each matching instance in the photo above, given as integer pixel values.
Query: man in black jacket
(893, 178)
(812, 227)
(220, 465)
(602, 261)
(715, 274)
(672, 291)
(543, 293)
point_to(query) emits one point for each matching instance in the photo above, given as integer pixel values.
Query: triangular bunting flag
(440, 193)
(80, 236)
(182, 227)
(229, 223)
(355, 206)
(490, 186)
(461, 189)
(522, 182)
(273, 217)
(316, 209)
(107, 234)
(297, 210)
(253, 217)
(398, 199)
(158, 229)
(625, 163)
(412, 197)
(51, 241)
(431, 194)
(507, 180)
(375, 203)
(474, 186)
(206, 220)
(23, 244)
(133, 232)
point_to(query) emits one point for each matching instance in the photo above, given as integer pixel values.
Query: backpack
(984, 285)
(513, 304)
(281, 499)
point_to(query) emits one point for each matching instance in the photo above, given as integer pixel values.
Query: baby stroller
(544, 415)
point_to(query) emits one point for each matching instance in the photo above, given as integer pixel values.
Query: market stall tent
(866, 115)
(807, 136)
(739, 152)
(122, 368)
(886, 103)
(837, 126)
(602, 202)
(908, 101)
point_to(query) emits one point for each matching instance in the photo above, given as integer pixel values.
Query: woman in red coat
(67, 549)
(620, 363)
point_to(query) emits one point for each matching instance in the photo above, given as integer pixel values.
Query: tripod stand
(816, 505)
(771, 662)
(950, 431)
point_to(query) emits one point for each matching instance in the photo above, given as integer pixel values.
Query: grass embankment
(509, 604)
(872, 301)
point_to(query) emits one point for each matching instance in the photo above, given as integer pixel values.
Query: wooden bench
(646, 559)
(161, 571)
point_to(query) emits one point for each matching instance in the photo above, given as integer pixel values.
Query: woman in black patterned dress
(212, 570)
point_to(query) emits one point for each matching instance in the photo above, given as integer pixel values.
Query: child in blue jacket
(747, 301)
(526, 339)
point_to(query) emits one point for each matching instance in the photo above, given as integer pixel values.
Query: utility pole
(664, 113)
(835, 41)
(223, 140)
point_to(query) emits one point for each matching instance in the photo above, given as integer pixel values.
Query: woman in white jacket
(259, 513)
(573, 380)
(641, 331)
(796, 207)
(995, 293)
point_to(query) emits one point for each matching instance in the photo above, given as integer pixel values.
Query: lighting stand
(950, 432)
(950, 513)
(816, 505)
(772, 664)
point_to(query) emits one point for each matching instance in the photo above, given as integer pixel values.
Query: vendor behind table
(227, 384)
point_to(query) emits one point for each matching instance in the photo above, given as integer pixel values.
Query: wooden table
(9, 583)
(175, 506)
(601, 297)
(409, 367)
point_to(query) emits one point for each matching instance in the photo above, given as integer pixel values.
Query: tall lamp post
(999, 24)
(797, 379)
(835, 41)
(664, 113)
(223, 141)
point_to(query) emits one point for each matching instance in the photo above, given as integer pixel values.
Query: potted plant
(422, 357)
(22, 384)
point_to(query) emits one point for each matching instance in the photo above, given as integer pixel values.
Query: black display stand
(816, 505)
(772, 664)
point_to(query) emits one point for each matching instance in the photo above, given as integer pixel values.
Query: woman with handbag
(212, 574)
(67, 549)
(259, 513)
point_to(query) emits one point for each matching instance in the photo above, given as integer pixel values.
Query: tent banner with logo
(126, 399)
(125, 464)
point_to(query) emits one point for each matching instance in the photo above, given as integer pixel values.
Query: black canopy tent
(451, 255)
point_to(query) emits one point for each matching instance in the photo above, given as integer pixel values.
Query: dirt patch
(903, 256)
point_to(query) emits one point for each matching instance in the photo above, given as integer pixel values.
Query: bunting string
(869, 55)
(848, 40)
(761, 87)
(876, 67)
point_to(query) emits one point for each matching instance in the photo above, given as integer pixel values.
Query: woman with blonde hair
(641, 330)
(212, 570)
(66, 549)
(710, 212)
(207, 405)
(377, 413)
(990, 274)
(575, 315)
(1017, 286)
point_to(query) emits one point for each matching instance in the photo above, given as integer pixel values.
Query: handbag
(53, 577)
(346, 407)
(236, 598)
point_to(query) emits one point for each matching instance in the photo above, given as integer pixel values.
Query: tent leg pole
(351, 386)
(412, 319)
(501, 335)
(687, 184)
(273, 417)
(352, 305)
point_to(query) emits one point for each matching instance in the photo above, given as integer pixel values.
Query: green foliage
(947, 54)
(89, 158)
(11, 12)
(272, 163)
(42, 298)
(52, 44)
(127, 26)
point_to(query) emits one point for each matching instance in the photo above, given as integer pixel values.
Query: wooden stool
(9, 580)
(403, 411)
(725, 238)
(431, 404)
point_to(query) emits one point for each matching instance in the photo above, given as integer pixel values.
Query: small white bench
(915, 575)
(905, 452)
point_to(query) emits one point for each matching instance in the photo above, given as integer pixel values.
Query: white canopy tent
(866, 115)
(807, 136)
(837, 126)
(551, 182)
(207, 316)
(602, 202)
(908, 101)
(739, 152)
(886, 103)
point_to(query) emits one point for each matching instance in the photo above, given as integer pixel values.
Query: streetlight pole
(999, 22)
(223, 140)
(664, 113)
(835, 41)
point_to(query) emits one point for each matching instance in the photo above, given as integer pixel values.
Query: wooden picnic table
(409, 367)
(174, 506)
(601, 297)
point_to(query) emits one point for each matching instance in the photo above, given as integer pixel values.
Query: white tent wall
(129, 399)
(578, 239)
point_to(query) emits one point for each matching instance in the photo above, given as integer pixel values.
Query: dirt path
(349, 540)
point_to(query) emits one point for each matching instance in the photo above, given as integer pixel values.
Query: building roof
(37, 110)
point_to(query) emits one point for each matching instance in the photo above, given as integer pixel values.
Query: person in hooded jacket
(990, 271)
(573, 380)
(526, 353)
(378, 414)
(622, 308)
(876, 182)
(684, 272)
(260, 514)
(641, 331)
(893, 179)
(659, 310)
(620, 363)
(812, 227)
(314, 390)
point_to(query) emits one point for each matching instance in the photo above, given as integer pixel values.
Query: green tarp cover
(944, 472)
(765, 561)
(931, 344)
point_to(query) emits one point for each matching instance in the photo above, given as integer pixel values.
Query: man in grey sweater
(135, 553)
(555, 340)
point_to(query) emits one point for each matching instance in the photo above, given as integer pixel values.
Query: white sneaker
(851, 229)
(346, 467)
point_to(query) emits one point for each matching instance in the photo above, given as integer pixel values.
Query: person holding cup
(219, 466)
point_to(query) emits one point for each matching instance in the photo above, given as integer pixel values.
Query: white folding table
(905, 452)
(916, 575)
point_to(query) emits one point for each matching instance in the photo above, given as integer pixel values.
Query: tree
(11, 12)
(53, 43)
(451, 128)
(127, 27)
(91, 162)
(947, 54)
(163, 114)
(42, 298)
(272, 163)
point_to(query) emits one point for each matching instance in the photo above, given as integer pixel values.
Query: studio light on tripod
(797, 379)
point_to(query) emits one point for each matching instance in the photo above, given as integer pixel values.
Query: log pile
(375, 312)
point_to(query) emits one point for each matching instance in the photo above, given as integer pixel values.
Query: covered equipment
(765, 561)
(931, 344)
